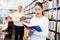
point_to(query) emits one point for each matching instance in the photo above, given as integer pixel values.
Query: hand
(31, 32)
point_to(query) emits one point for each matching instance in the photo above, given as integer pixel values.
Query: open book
(37, 28)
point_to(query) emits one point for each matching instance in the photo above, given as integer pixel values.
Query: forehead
(37, 6)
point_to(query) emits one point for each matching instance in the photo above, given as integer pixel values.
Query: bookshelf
(4, 13)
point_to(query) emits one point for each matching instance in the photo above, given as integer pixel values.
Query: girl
(41, 21)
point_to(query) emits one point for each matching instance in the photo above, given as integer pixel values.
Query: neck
(39, 16)
(18, 11)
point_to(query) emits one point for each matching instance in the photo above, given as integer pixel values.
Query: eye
(38, 9)
(35, 9)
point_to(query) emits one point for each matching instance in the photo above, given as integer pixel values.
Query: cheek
(40, 11)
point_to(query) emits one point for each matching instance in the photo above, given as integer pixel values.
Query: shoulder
(45, 18)
(15, 12)
(22, 14)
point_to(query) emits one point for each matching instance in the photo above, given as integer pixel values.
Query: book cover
(37, 28)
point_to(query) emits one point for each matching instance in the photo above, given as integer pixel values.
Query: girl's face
(38, 10)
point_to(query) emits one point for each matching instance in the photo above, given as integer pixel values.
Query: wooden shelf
(54, 20)
(50, 9)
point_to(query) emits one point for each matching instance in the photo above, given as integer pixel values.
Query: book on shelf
(47, 5)
(54, 3)
(46, 13)
(59, 27)
(58, 14)
(50, 4)
(54, 14)
(44, 6)
(50, 14)
(53, 25)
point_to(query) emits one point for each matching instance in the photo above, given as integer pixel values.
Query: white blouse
(16, 18)
(43, 24)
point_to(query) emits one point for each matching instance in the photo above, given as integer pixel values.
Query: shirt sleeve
(14, 16)
(27, 24)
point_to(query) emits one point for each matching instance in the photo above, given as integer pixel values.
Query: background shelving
(4, 13)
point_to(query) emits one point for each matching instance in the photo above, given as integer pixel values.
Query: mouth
(37, 13)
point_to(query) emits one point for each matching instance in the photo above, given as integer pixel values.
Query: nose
(37, 13)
